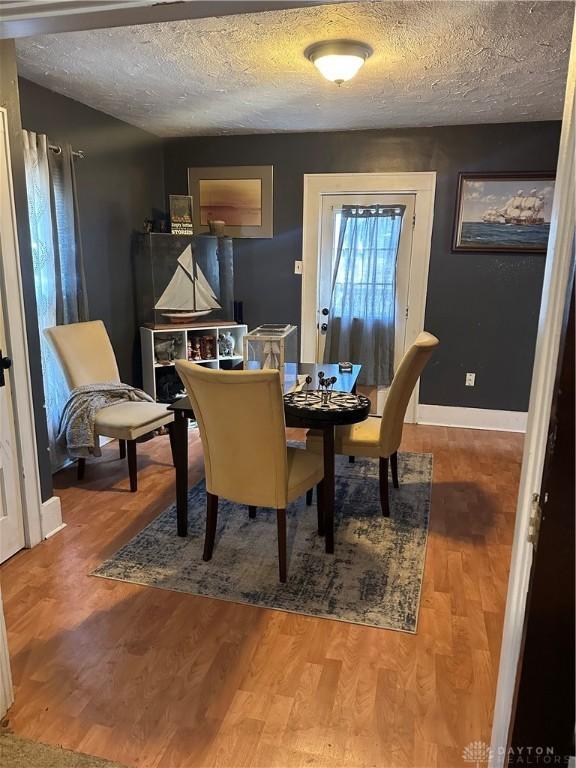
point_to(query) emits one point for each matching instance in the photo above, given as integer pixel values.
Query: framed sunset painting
(501, 213)
(239, 196)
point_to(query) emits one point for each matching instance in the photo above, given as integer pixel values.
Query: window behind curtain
(361, 327)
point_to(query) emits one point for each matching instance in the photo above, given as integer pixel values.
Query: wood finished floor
(159, 679)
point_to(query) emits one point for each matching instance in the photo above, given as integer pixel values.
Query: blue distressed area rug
(374, 577)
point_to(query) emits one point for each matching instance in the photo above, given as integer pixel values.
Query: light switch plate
(297, 267)
(470, 379)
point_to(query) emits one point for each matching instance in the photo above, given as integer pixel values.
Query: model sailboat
(188, 294)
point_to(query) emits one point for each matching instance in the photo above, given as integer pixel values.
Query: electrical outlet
(470, 379)
(297, 267)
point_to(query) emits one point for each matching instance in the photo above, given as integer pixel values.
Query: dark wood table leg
(329, 489)
(180, 443)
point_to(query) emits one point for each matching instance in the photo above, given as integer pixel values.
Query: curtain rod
(75, 153)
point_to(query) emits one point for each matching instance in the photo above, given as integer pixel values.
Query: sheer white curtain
(362, 317)
(57, 259)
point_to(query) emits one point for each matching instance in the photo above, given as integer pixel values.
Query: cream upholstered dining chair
(240, 415)
(86, 357)
(379, 438)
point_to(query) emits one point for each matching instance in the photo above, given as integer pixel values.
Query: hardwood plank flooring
(158, 679)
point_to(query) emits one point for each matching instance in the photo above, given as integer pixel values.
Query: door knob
(324, 327)
(5, 363)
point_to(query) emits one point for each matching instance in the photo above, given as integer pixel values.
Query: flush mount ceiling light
(338, 60)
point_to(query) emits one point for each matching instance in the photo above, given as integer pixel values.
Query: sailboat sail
(520, 209)
(188, 290)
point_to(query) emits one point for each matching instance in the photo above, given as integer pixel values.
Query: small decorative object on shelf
(208, 347)
(272, 345)
(217, 227)
(195, 349)
(169, 387)
(230, 344)
(148, 225)
(181, 222)
(164, 349)
(226, 344)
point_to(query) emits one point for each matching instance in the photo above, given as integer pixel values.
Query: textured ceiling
(434, 63)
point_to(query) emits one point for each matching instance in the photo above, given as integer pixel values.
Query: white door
(331, 216)
(11, 515)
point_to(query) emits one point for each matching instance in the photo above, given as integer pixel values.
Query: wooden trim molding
(472, 418)
(11, 286)
(51, 517)
(555, 294)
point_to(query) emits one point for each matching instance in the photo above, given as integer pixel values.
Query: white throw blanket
(77, 433)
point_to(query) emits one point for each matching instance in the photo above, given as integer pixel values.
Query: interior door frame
(555, 299)
(422, 185)
(36, 527)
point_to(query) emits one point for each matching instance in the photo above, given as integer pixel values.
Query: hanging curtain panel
(72, 302)
(57, 258)
(363, 304)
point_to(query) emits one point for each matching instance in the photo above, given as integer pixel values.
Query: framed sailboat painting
(502, 213)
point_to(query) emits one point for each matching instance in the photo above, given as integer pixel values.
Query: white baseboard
(472, 418)
(51, 516)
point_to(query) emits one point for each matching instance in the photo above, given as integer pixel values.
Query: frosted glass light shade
(338, 60)
(338, 68)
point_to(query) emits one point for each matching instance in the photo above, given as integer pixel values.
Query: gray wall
(119, 181)
(483, 307)
(10, 100)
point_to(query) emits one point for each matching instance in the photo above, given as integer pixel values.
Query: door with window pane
(374, 252)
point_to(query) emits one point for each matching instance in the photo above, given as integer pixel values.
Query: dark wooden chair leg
(171, 434)
(321, 501)
(122, 448)
(132, 465)
(394, 468)
(211, 520)
(309, 497)
(252, 512)
(281, 518)
(384, 502)
(351, 459)
(81, 468)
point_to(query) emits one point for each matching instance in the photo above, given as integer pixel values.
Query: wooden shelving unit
(156, 383)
